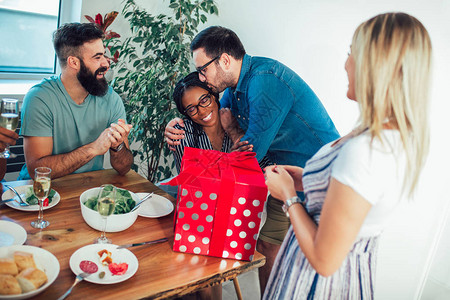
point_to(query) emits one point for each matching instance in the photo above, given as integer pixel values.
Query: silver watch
(289, 202)
(118, 147)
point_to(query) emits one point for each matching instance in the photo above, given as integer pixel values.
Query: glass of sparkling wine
(41, 188)
(9, 119)
(105, 206)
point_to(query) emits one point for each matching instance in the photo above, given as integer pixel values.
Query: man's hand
(172, 134)
(119, 132)
(102, 144)
(230, 125)
(7, 137)
(241, 146)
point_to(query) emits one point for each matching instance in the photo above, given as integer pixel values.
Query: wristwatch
(289, 202)
(118, 148)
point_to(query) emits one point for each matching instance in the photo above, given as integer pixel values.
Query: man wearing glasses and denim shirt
(279, 113)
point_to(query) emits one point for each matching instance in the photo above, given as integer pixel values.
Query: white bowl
(115, 223)
(44, 260)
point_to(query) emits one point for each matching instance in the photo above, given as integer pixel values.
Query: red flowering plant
(110, 36)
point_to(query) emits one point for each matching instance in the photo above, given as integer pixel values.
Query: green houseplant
(151, 61)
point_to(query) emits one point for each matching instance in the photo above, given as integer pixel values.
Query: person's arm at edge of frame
(343, 213)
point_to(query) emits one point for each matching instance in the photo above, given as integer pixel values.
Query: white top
(376, 172)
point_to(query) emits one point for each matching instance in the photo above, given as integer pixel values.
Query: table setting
(138, 242)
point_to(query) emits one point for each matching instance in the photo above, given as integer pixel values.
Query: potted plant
(151, 61)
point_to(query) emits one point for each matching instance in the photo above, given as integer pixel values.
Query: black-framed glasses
(204, 101)
(201, 69)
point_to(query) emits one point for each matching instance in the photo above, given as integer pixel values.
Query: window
(27, 27)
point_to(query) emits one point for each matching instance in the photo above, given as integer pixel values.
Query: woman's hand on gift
(280, 183)
(241, 146)
(173, 135)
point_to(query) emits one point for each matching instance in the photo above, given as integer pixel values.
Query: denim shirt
(281, 115)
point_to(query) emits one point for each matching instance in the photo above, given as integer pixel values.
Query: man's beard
(94, 86)
(223, 81)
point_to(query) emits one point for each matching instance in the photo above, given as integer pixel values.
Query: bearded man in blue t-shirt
(70, 121)
(278, 112)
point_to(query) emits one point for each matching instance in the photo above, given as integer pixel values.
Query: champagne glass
(106, 204)
(9, 119)
(41, 188)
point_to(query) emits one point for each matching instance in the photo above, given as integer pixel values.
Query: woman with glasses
(354, 185)
(200, 106)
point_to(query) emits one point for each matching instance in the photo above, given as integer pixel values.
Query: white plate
(21, 190)
(44, 260)
(11, 234)
(89, 252)
(156, 206)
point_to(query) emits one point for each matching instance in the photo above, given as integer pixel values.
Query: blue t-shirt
(49, 111)
(280, 114)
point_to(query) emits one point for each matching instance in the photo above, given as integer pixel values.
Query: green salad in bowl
(124, 202)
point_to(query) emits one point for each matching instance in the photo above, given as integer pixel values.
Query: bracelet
(118, 147)
(289, 202)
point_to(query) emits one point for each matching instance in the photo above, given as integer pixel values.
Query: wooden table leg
(237, 288)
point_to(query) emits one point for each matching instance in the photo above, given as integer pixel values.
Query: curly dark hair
(68, 39)
(191, 80)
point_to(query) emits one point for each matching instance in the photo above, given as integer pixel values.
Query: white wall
(313, 38)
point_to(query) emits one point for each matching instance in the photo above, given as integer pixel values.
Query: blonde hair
(392, 54)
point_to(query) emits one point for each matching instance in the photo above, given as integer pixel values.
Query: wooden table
(162, 273)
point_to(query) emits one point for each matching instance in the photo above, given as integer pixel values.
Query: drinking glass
(9, 119)
(105, 206)
(41, 188)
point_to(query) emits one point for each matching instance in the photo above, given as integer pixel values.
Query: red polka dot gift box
(220, 203)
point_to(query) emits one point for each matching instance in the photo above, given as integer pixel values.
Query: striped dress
(203, 143)
(293, 277)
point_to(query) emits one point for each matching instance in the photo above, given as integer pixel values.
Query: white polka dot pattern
(196, 221)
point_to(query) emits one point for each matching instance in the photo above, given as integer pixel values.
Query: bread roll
(31, 279)
(24, 260)
(8, 266)
(9, 285)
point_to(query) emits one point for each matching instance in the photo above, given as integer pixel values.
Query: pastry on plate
(9, 285)
(31, 279)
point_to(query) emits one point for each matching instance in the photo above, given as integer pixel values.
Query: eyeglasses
(201, 69)
(205, 101)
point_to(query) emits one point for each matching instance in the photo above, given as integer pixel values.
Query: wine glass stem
(41, 211)
(103, 236)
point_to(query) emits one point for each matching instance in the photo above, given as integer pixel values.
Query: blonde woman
(353, 184)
